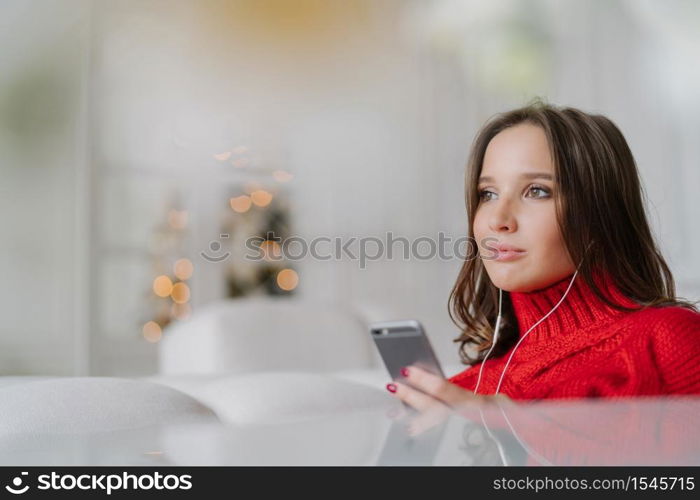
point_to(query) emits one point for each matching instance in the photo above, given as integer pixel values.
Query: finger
(438, 387)
(415, 398)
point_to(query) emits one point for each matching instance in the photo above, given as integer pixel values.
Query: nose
(502, 218)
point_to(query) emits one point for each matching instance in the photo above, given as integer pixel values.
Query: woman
(570, 296)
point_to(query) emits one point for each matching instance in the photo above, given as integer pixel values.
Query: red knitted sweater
(588, 349)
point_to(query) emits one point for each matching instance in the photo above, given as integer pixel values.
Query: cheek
(480, 228)
(551, 229)
(477, 225)
(550, 241)
(481, 220)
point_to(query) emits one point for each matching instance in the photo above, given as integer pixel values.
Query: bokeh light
(162, 286)
(183, 269)
(152, 332)
(261, 197)
(271, 250)
(180, 293)
(282, 176)
(241, 203)
(222, 156)
(287, 279)
(177, 219)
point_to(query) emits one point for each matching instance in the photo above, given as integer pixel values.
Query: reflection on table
(633, 431)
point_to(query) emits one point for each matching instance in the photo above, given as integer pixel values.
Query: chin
(517, 289)
(519, 279)
(508, 282)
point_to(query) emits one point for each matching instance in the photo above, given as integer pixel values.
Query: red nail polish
(391, 387)
(404, 371)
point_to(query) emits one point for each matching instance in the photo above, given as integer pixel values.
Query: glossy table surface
(633, 431)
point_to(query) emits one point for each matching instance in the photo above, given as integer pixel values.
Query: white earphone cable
(496, 332)
(531, 328)
(495, 338)
(539, 457)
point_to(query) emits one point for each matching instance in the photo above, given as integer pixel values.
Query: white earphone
(498, 323)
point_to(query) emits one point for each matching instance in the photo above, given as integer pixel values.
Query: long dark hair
(600, 212)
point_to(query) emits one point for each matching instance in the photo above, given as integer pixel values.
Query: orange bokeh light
(287, 279)
(152, 332)
(282, 176)
(183, 269)
(162, 286)
(261, 197)
(223, 156)
(180, 293)
(177, 219)
(240, 204)
(271, 250)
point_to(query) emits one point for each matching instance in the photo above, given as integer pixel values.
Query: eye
(541, 189)
(544, 192)
(482, 193)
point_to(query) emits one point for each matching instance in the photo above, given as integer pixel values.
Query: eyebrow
(526, 175)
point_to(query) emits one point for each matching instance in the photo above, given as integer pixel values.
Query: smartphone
(403, 343)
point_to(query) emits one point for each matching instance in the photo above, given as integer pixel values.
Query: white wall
(42, 295)
(372, 105)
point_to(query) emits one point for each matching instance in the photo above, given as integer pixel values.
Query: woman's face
(517, 207)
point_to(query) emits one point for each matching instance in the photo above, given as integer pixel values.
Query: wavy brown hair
(600, 210)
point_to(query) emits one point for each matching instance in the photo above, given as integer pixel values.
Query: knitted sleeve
(676, 345)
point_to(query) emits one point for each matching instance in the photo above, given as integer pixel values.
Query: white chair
(267, 334)
(92, 404)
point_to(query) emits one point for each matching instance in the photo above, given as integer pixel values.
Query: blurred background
(142, 141)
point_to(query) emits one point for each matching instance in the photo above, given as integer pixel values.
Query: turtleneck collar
(580, 309)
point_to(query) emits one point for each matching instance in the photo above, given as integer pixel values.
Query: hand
(436, 399)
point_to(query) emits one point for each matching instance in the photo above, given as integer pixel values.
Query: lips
(508, 256)
(506, 253)
(503, 248)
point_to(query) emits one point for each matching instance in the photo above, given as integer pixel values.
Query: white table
(638, 431)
